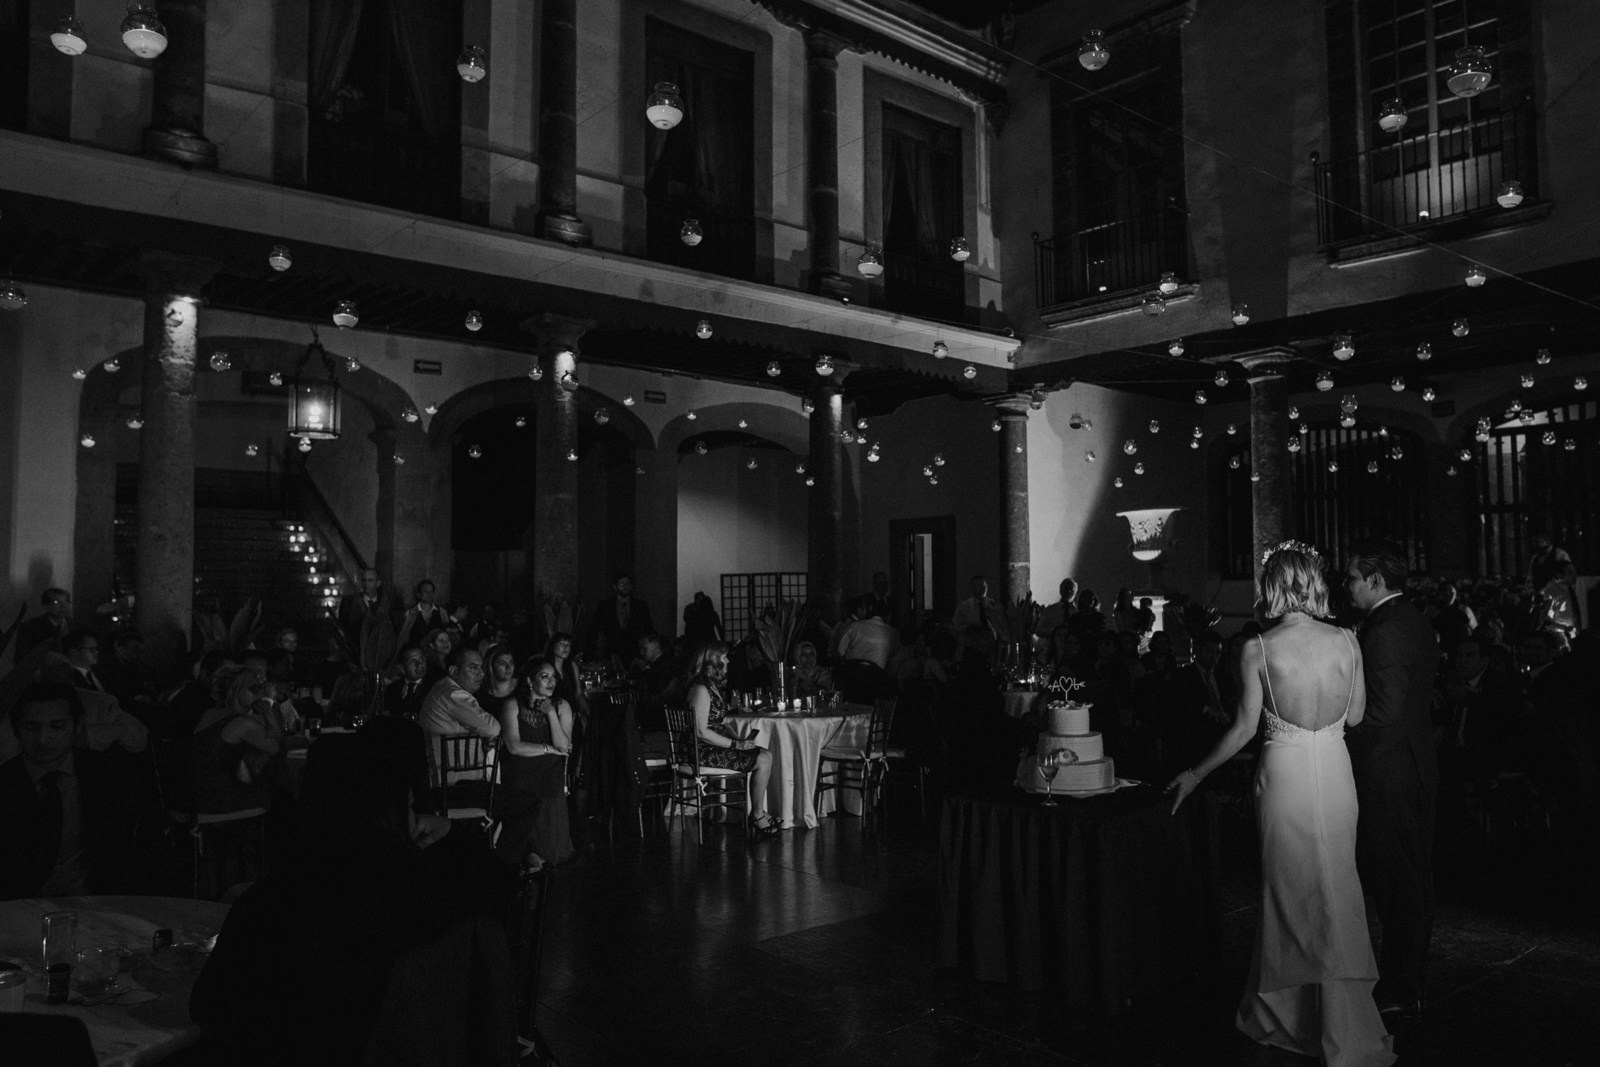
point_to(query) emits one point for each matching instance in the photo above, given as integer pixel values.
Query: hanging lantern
(807, 406)
(1233, 462)
(344, 314)
(431, 409)
(79, 374)
(702, 329)
(1116, 483)
(1397, 453)
(1241, 313)
(12, 298)
(275, 379)
(68, 37)
(1194, 442)
(1232, 430)
(1569, 445)
(601, 416)
(1549, 437)
(690, 233)
(1221, 379)
(1333, 466)
(664, 109)
(409, 414)
(572, 455)
(1324, 382)
(314, 402)
(1428, 393)
(969, 372)
(810, 481)
(535, 372)
(1130, 447)
(1138, 468)
(938, 459)
(995, 426)
(304, 445)
(278, 259)
(1470, 73)
(824, 365)
(1092, 53)
(1460, 327)
(1424, 352)
(112, 365)
(1580, 383)
(1476, 276)
(940, 350)
(135, 421)
(1175, 347)
(861, 424)
(691, 415)
(1168, 284)
(1304, 429)
(1294, 411)
(1200, 396)
(960, 250)
(1392, 116)
(399, 460)
(700, 448)
(1349, 404)
(774, 368)
(1154, 304)
(1527, 381)
(870, 265)
(474, 451)
(1397, 383)
(474, 321)
(1294, 444)
(143, 32)
(1089, 456)
(1347, 421)
(472, 64)
(1510, 194)
(800, 468)
(1543, 357)
(1343, 347)
(628, 401)
(220, 361)
(1155, 425)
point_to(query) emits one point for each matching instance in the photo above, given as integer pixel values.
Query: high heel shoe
(762, 829)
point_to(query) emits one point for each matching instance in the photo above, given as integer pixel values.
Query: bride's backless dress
(1312, 974)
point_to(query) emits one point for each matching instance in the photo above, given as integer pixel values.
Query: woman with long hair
(1313, 972)
(536, 731)
(717, 743)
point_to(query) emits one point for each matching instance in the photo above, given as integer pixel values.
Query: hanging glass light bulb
(810, 481)
(1392, 116)
(1569, 445)
(1460, 327)
(1175, 347)
(628, 401)
(824, 365)
(700, 448)
(1089, 456)
(535, 372)
(79, 374)
(1324, 382)
(1343, 347)
(474, 321)
(1580, 383)
(1155, 425)
(1130, 446)
(1168, 284)
(807, 406)
(344, 314)
(969, 372)
(472, 64)
(220, 361)
(1194, 442)
(1233, 462)
(938, 459)
(1241, 313)
(275, 378)
(1397, 383)
(774, 369)
(960, 250)
(870, 265)
(409, 413)
(1347, 421)
(995, 426)
(1470, 73)
(142, 31)
(1349, 404)
(399, 460)
(304, 445)
(68, 37)
(691, 415)
(702, 329)
(1077, 421)
(927, 471)
(1294, 444)
(12, 298)
(252, 450)
(602, 416)
(800, 468)
(112, 365)
(940, 350)
(1154, 304)
(1543, 357)
(135, 421)
(873, 455)
(1428, 393)
(520, 422)
(1476, 276)
(1138, 468)
(431, 409)
(690, 232)
(278, 259)
(1510, 194)
(1294, 411)
(750, 464)
(1549, 437)
(572, 455)
(1527, 381)
(1200, 396)
(1397, 453)
(475, 451)
(664, 108)
(1092, 53)
(1221, 379)
(1231, 429)
(1424, 351)
(1116, 483)
(1304, 429)
(1197, 433)
(352, 364)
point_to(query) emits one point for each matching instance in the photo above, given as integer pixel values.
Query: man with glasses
(1396, 771)
(450, 709)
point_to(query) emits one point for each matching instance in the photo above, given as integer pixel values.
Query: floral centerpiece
(777, 628)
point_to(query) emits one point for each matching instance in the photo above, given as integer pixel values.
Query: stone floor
(817, 947)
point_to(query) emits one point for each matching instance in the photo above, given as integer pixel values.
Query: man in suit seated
(404, 695)
(66, 813)
(450, 709)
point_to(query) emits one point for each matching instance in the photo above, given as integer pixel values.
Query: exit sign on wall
(427, 366)
(654, 396)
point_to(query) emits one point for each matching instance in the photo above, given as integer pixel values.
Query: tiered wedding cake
(1067, 728)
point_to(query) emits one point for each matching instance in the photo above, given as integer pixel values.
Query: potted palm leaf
(777, 627)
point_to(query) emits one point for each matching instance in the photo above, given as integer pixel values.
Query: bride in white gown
(1311, 977)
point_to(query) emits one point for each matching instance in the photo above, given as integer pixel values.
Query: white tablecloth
(796, 743)
(1020, 701)
(151, 1021)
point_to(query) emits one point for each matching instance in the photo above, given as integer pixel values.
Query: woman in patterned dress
(717, 743)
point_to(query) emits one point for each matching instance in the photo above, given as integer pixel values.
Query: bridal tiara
(1293, 546)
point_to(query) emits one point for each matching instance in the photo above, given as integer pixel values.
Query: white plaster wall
(733, 520)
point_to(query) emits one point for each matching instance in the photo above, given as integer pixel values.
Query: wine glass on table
(1048, 770)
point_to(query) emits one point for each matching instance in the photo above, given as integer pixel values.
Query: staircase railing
(304, 499)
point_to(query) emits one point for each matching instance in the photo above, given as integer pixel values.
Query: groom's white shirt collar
(1381, 603)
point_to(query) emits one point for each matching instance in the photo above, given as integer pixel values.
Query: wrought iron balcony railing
(1441, 174)
(1108, 257)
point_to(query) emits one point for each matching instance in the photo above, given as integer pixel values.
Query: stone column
(822, 161)
(1016, 579)
(164, 582)
(558, 125)
(655, 546)
(94, 535)
(553, 557)
(383, 549)
(178, 101)
(825, 583)
(1272, 482)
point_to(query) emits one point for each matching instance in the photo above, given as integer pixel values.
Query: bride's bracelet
(1192, 773)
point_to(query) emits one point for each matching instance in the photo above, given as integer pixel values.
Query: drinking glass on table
(1049, 769)
(95, 973)
(59, 950)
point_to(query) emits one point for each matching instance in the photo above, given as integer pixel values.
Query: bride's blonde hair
(1291, 580)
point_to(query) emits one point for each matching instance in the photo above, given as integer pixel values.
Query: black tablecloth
(614, 774)
(1104, 899)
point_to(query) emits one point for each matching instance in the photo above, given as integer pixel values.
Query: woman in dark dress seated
(536, 732)
(232, 743)
(715, 740)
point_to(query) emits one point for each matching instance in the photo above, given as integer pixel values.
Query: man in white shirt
(1059, 613)
(450, 709)
(869, 639)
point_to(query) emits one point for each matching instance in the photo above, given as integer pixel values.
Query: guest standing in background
(48, 628)
(620, 619)
(1396, 771)
(701, 624)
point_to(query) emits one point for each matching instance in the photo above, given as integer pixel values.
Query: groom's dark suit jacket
(1393, 746)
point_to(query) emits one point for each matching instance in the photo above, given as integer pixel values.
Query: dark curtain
(334, 26)
(919, 212)
(424, 42)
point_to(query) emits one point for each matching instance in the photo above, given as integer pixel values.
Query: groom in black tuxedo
(1396, 771)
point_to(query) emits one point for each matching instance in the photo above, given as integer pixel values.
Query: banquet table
(1104, 899)
(796, 741)
(614, 774)
(149, 1021)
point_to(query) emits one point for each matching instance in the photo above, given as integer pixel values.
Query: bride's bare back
(1311, 671)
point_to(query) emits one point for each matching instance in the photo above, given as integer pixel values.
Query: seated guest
(66, 813)
(657, 680)
(326, 672)
(569, 686)
(810, 677)
(82, 650)
(1159, 660)
(232, 743)
(412, 923)
(126, 677)
(105, 725)
(536, 729)
(715, 740)
(193, 698)
(404, 695)
(450, 709)
(437, 646)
